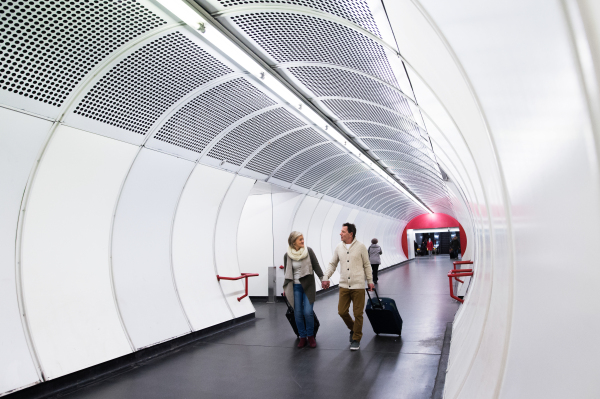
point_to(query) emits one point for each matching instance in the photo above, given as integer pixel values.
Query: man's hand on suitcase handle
(371, 287)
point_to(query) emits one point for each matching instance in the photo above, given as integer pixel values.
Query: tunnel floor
(259, 358)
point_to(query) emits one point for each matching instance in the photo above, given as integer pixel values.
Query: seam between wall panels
(187, 319)
(110, 253)
(214, 244)
(504, 195)
(19, 255)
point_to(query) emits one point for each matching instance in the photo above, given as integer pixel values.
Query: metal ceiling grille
(365, 129)
(281, 149)
(347, 181)
(289, 37)
(47, 47)
(354, 110)
(295, 166)
(311, 176)
(138, 90)
(198, 122)
(354, 11)
(329, 180)
(354, 189)
(332, 82)
(238, 144)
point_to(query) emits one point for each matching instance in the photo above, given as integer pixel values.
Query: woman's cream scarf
(297, 255)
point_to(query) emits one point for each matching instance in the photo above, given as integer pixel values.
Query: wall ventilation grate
(198, 122)
(242, 141)
(138, 90)
(278, 151)
(356, 11)
(48, 47)
(289, 37)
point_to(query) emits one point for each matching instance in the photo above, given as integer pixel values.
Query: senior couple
(300, 263)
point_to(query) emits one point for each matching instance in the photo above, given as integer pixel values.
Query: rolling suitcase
(292, 319)
(383, 315)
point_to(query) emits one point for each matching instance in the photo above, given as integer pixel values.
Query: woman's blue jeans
(303, 313)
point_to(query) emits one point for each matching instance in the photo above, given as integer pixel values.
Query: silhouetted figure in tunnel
(454, 247)
(300, 263)
(375, 253)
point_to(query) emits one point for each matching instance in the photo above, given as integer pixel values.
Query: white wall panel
(304, 214)
(255, 242)
(284, 209)
(315, 229)
(328, 229)
(66, 276)
(141, 248)
(21, 139)
(385, 247)
(193, 246)
(226, 254)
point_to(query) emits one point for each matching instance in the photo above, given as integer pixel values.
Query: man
(354, 270)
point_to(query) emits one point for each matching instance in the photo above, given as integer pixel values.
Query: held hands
(371, 287)
(325, 284)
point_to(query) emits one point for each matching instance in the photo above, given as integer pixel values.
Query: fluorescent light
(189, 16)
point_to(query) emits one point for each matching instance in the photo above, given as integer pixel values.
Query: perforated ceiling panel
(194, 125)
(365, 129)
(137, 91)
(356, 188)
(238, 144)
(329, 180)
(347, 181)
(47, 47)
(289, 37)
(291, 169)
(326, 82)
(353, 110)
(312, 175)
(281, 149)
(354, 11)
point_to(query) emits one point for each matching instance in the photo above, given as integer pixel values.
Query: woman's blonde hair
(293, 237)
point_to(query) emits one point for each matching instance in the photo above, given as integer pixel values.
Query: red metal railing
(456, 273)
(243, 276)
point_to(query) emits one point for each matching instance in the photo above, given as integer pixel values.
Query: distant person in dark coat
(454, 247)
(375, 258)
(416, 247)
(423, 247)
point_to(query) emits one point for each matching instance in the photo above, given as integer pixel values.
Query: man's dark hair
(351, 229)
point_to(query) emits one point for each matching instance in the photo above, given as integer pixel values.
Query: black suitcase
(292, 319)
(383, 315)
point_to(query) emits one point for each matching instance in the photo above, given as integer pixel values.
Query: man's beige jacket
(354, 265)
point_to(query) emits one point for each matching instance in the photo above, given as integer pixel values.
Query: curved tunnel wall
(504, 90)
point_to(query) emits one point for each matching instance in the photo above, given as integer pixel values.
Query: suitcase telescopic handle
(377, 295)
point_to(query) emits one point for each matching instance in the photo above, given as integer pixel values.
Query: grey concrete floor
(259, 359)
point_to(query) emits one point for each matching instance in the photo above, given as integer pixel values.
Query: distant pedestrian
(375, 258)
(355, 268)
(454, 247)
(300, 262)
(429, 247)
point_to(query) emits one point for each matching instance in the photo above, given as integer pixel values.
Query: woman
(375, 258)
(299, 264)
